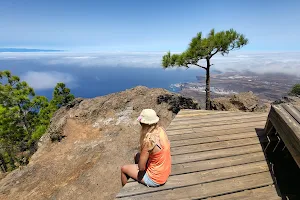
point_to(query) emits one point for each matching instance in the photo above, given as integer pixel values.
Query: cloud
(283, 62)
(118, 59)
(46, 80)
(259, 62)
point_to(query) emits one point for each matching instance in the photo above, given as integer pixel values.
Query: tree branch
(197, 65)
(215, 52)
(201, 66)
(31, 107)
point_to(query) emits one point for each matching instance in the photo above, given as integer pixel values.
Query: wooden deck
(215, 155)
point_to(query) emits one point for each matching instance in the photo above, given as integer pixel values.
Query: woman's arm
(143, 159)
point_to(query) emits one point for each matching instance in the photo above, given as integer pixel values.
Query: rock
(120, 109)
(74, 103)
(222, 103)
(94, 138)
(295, 100)
(178, 102)
(246, 101)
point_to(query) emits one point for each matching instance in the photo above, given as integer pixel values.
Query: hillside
(93, 139)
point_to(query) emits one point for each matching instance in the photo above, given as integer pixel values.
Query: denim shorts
(149, 182)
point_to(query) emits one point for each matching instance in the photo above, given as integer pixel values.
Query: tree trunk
(10, 160)
(207, 89)
(2, 164)
(24, 119)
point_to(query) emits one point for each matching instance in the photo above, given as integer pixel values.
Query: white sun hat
(148, 116)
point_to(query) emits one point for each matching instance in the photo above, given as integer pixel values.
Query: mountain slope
(97, 136)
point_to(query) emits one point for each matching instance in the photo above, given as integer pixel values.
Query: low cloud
(258, 62)
(46, 80)
(286, 62)
(134, 59)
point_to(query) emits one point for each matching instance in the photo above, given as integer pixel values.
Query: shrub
(295, 90)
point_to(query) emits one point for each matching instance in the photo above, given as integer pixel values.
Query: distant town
(268, 87)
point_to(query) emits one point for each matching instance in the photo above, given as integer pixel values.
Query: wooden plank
(217, 123)
(199, 110)
(259, 124)
(219, 138)
(207, 155)
(202, 120)
(292, 111)
(217, 163)
(197, 114)
(288, 129)
(268, 127)
(134, 188)
(192, 111)
(216, 120)
(297, 107)
(204, 165)
(267, 192)
(190, 135)
(214, 145)
(183, 115)
(182, 131)
(179, 118)
(211, 112)
(210, 189)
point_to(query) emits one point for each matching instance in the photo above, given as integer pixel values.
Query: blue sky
(136, 25)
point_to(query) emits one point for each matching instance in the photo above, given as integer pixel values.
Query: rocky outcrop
(246, 101)
(119, 109)
(178, 102)
(295, 100)
(96, 137)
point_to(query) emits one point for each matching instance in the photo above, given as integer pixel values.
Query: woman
(153, 163)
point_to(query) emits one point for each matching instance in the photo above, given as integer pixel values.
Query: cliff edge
(86, 144)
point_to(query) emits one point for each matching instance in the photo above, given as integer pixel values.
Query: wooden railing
(283, 130)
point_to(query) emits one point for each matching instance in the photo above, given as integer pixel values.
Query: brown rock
(246, 101)
(97, 136)
(295, 100)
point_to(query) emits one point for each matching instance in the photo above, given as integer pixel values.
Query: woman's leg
(133, 172)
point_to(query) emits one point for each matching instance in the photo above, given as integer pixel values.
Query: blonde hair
(148, 132)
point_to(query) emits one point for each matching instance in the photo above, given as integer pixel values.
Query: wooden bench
(283, 129)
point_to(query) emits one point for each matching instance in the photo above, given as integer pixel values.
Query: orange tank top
(159, 163)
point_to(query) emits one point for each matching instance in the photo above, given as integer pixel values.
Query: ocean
(95, 81)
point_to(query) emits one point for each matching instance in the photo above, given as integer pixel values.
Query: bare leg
(133, 172)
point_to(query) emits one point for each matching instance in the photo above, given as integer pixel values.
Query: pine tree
(295, 90)
(201, 48)
(61, 95)
(24, 117)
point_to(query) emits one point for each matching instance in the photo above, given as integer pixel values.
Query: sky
(135, 25)
(99, 38)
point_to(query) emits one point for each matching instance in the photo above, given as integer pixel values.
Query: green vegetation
(24, 118)
(201, 48)
(295, 90)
